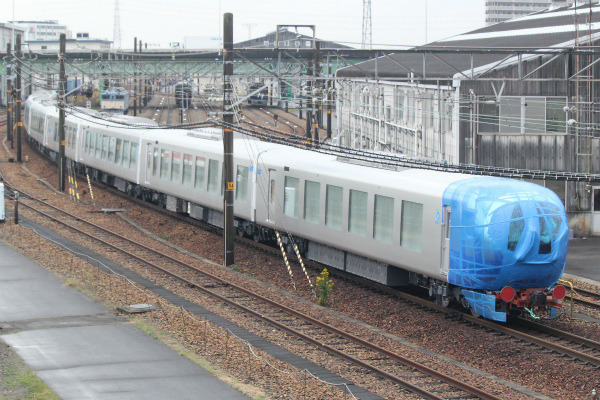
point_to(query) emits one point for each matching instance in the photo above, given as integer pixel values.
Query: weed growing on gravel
(324, 287)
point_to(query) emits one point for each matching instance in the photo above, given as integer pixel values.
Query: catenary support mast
(228, 233)
(62, 85)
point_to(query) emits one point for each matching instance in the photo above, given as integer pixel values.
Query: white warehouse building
(399, 117)
(473, 99)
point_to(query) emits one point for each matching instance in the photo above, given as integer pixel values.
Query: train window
(165, 160)
(516, 227)
(411, 227)
(118, 152)
(357, 215)
(188, 166)
(200, 167)
(56, 132)
(120, 97)
(213, 176)
(312, 201)
(176, 167)
(291, 196)
(105, 96)
(112, 146)
(92, 142)
(125, 159)
(133, 155)
(155, 161)
(104, 146)
(545, 236)
(333, 206)
(98, 145)
(72, 135)
(241, 186)
(383, 219)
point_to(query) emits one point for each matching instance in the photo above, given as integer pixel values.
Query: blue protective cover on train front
(505, 232)
(484, 304)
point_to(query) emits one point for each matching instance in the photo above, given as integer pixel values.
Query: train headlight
(559, 292)
(507, 294)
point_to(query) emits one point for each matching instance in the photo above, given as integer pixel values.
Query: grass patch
(18, 380)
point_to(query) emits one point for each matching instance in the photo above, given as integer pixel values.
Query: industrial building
(287, 39)
(82, 44)
(6, 37)
(500, 11)
(518, 94)
(42, 30)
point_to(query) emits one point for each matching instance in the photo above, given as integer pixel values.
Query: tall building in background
(498, 11)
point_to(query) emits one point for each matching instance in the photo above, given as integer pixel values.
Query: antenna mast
(117, 27)
(367, 31)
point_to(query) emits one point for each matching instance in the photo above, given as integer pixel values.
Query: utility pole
(62, 85)
(317, 72)
(141, 83)
(135, 42)
(228, 233)
(146, 83)
(9, 96)
(329, 97)
(309, 103)
(18, 99)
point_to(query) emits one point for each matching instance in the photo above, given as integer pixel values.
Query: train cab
(508, 244)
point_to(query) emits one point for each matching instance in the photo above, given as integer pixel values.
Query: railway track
(162, 110)
(367, 356)
(585, 298)
(256, 121)
(560, 343)
(281, 121)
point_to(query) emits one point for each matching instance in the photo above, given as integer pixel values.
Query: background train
(115, 100)
(261, 97)
(183, 94)
(491, 244)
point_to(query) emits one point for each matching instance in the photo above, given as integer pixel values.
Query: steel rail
(404, 383)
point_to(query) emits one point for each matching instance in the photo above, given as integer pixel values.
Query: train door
(272, 195)
(148, 163)
(445, 257)
(596, 210)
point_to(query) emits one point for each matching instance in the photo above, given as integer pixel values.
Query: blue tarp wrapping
(505, 233)
(484, 305)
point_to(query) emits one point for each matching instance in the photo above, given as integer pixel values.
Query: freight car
(494, 245)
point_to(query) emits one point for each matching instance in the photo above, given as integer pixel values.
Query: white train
(494, 245)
